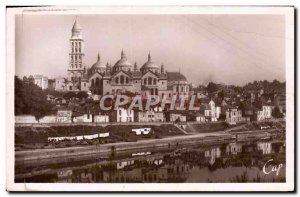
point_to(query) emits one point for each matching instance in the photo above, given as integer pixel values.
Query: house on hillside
(233, 115)
(122, 115)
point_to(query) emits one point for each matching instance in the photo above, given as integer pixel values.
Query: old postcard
(150, 99)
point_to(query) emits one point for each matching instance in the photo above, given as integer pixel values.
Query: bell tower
(76, 67)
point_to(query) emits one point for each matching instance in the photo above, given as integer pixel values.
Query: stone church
(122, 77)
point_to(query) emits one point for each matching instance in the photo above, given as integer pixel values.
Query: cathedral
(122, 77)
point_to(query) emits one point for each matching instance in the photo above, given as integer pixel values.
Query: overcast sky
(230, 49)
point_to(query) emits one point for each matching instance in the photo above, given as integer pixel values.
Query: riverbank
(106, 149)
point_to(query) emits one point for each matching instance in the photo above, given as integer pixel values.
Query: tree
(212, 87)
(82, 95)
(221, 95)
(276, 113)
(30, 99)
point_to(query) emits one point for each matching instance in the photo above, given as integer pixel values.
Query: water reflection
(231, 162)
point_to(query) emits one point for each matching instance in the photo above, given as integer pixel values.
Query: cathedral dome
(123, 63)
(149, 65)
(99, 66)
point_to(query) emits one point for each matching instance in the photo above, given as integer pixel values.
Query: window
(76, 65)
(127, 80)
(97, 82)
(150, 81)
(177, 89)
(122, 79)
(93, 83)
(117, 80)
(156, 91)
(79, 65)
(76, 58)
(154, 81)
(84, 84)
(181, 89)
(145, 81)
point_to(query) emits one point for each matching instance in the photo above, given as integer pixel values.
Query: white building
(123, 115)
(153, 115)
(265, 147)
(41, 81)
(265, 113)
(64, 116)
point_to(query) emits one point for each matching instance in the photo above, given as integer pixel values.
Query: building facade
(123, 77)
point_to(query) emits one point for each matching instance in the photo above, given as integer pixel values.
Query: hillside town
(75, 98)
(121, 121)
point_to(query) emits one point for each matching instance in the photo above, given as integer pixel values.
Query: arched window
(181, 88)
(156, 91)
(122, 79)
(150, 81)
(127, 80)
(93, 83)
(145, 81)
(154, 81)
(152, 91)
(117, 80)
(177, 88)
(97, 82)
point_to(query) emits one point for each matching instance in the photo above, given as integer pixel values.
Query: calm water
(230, 162)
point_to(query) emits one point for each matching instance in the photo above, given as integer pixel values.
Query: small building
(177, 117)
(265, 113)
(122, 115)
(200, 118)
(101, 118)
(233, 148)
(64, 116)
(41, 81)
(265, 147)
(153, 115)
(60, 84)
(233, 115)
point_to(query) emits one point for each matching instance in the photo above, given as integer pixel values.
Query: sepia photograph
(150, 99)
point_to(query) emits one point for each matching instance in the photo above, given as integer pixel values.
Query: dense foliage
(30, 99)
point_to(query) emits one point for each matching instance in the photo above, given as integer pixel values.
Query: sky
(229, 49)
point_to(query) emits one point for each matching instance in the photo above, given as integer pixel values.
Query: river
(223, 162)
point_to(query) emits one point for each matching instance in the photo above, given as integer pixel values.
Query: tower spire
(149, 57)
(123, 55)
(98, 57)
